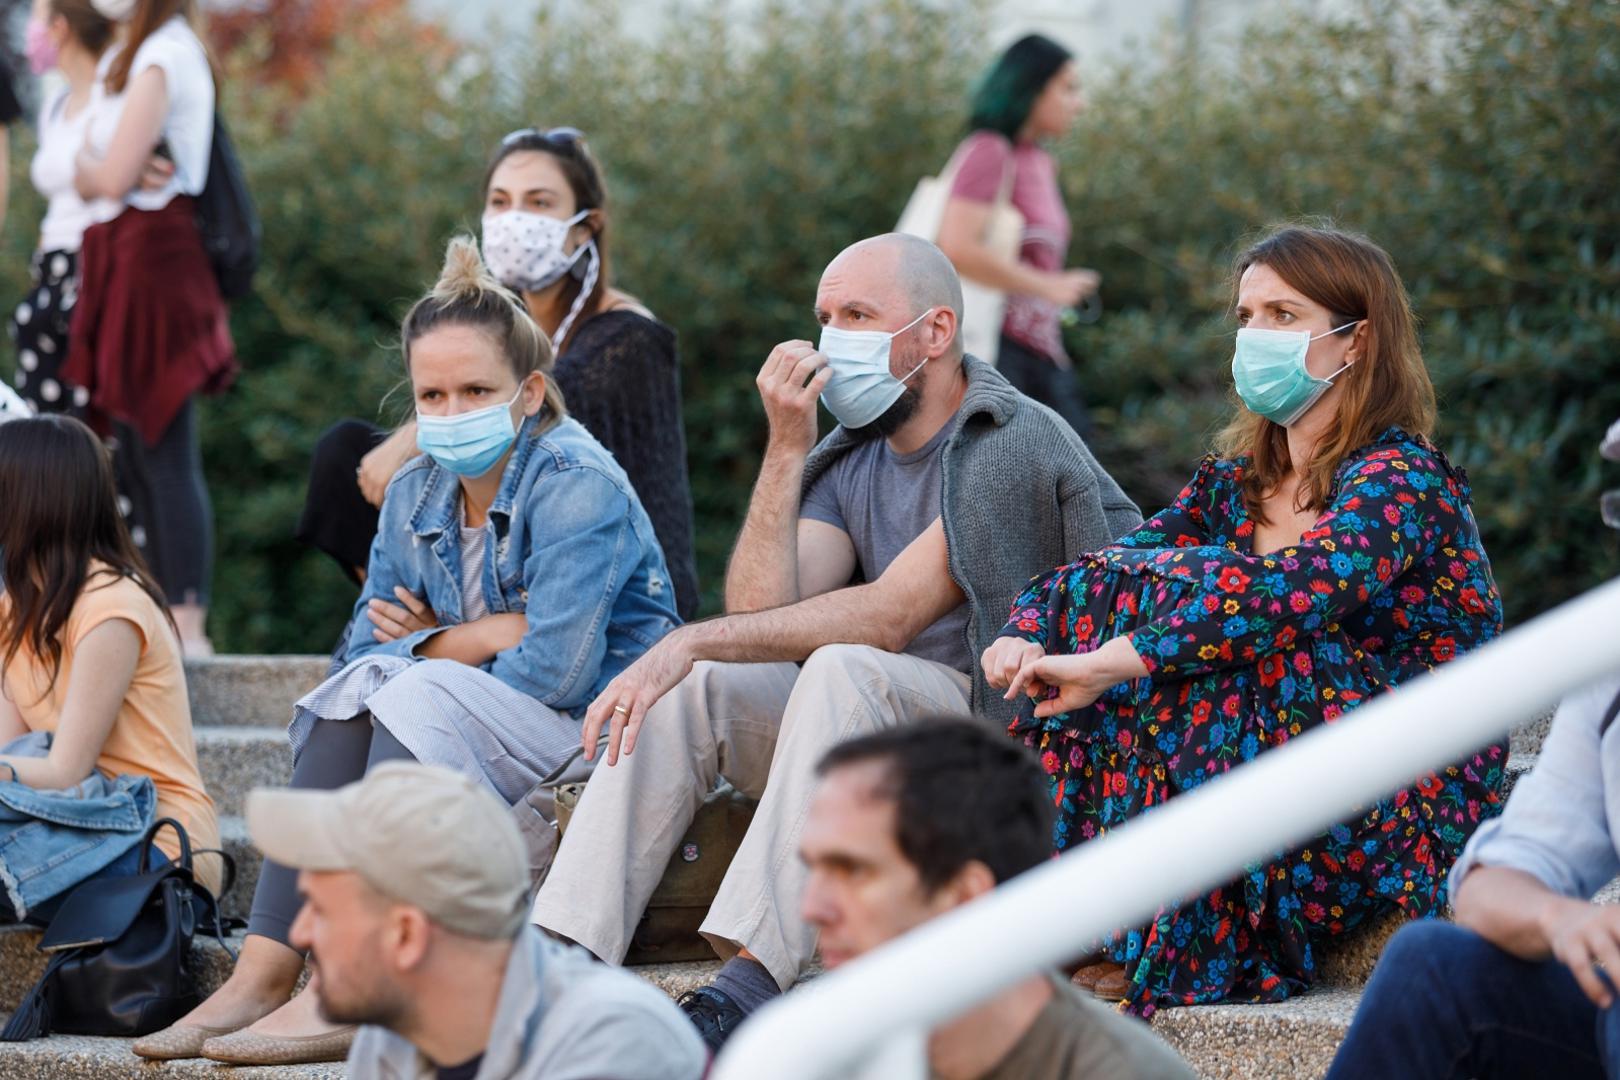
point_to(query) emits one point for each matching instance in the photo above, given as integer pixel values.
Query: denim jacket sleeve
(383, 573)
(582, 551)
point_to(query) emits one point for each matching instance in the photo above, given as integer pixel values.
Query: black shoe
(714, 1014)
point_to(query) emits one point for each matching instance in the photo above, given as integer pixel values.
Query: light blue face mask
(469, 443)
(1272, 379)
(861, 388)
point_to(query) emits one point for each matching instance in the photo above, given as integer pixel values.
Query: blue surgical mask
(469, 443)
(1272, 379)
(861, 388)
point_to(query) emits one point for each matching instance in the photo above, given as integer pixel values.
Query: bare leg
(192, 622)
(266, 973)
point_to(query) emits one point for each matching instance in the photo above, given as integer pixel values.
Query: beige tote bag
(983, 307)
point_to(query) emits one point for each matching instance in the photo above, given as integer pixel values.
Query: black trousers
(1037, 377)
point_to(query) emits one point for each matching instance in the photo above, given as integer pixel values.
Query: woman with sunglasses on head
(1326, 555)
(514, 574)
(545, 236)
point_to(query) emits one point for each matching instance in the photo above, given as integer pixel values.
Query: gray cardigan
(1021, 494)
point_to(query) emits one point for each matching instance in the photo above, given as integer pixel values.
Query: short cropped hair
(962, 792)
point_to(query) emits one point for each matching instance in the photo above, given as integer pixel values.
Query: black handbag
(227, 218)
(120, 951)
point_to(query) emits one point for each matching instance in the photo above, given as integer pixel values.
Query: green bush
(1479, 146)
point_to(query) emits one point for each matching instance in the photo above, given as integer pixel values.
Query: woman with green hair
(1030, 94)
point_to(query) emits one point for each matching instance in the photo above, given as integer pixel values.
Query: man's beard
(895, 416)
(379, 1008)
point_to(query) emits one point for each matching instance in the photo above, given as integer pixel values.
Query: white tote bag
(983, 307)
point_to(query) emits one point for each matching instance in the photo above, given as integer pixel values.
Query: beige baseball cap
(420, 835)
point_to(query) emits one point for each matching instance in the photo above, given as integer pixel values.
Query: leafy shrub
(1478, 144)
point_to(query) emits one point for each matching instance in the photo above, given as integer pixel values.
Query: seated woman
(89, 655)
(545, 236)
(1327, 555)
(512, 577)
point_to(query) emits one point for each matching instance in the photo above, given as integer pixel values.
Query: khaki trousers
(763, 727)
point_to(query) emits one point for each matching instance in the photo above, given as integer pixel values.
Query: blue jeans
(1445, 1004)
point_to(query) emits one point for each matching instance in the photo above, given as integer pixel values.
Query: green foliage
(1479, 146)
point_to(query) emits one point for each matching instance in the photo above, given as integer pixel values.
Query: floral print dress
(1246, 651)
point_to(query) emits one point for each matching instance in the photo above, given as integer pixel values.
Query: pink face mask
(41, 50)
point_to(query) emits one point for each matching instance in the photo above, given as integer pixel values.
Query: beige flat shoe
(177, 1041)
(250, 1048)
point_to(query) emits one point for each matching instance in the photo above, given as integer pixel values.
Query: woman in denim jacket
(513, 575)
(94, 718)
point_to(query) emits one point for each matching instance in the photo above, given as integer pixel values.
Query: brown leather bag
(668, 931)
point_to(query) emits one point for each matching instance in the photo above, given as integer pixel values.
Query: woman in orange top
(87, 649)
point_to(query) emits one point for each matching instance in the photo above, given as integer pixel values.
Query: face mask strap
(584, 290)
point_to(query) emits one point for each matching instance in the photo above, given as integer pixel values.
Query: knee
(843, 664)
(428, 674)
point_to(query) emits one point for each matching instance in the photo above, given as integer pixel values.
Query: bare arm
(477, 642)
(961, 238)
(778, 560)
(146, 104)
(385, 459)
(103, 666)
(1517, 913)
(912, 594)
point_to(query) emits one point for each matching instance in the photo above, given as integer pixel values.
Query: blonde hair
(467, 294)
(1389, 385)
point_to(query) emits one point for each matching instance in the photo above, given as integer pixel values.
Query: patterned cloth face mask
(861, 388)
(525, 251)
(469, 443)
(1272, 379)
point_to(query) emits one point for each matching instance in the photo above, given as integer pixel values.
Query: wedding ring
(620, 708)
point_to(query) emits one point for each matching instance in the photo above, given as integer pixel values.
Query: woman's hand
(1079, 679)
(394, 621)
(1005, 658)
(1068, 287)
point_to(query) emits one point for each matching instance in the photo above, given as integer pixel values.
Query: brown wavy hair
(88, 26)
(1388, 386)
(61, 515)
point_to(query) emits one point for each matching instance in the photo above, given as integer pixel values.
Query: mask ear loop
(593, 266)
(902, 330)
(1329, 333)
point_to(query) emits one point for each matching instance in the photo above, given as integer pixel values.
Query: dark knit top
(621, 377)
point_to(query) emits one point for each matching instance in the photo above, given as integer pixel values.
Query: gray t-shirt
(884, 501)
(1076, 1038)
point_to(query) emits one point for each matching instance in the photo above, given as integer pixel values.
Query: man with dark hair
(872, 570)
(909, 823)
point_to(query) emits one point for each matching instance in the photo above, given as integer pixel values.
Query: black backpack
(120, 949)
(227, 219)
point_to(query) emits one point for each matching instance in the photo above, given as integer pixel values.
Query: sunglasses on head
(562, 136)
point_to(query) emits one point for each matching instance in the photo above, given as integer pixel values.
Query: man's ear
(409, 935)
(972, 881)
(942, 330)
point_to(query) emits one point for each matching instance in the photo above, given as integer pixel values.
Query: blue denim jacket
(50, 841)
(574, 551)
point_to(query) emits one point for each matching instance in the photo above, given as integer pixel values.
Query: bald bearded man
(884, 560)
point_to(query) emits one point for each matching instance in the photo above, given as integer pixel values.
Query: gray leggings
(338, 752)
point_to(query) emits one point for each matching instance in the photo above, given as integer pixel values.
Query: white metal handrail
(1196, 841)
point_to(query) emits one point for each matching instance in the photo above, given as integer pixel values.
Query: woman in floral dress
(1328, 553)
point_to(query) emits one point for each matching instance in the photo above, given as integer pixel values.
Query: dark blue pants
(1445, 1004)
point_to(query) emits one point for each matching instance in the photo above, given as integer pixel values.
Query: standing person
(415, 891)
(71, 36)
(513, 576)
(89, 656)
(1031, 94)
(150, 330)
(1327, 555)
(909, 824)
(545, 236)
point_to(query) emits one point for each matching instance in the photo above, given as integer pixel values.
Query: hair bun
(465, 277)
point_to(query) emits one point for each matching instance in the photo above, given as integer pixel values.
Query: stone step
(237, 759)
(1295, 1039)
(252, 690)
(1527, 737)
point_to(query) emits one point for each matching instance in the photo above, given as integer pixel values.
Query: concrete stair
(240, 708)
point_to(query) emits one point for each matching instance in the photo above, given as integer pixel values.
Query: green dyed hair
(1007, 92)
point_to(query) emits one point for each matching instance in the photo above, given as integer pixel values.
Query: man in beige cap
(415, 886)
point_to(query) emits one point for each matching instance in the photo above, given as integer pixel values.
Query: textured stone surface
(235, 760)
(1295, 1040)
(1526, 738)
(81, 1057)
(255, 690)
(1349, 961)
(233, 830)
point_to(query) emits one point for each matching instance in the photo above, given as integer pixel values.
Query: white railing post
(1194, 842)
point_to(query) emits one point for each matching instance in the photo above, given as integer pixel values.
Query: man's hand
(624, 702)
(394, 621)
(1586, 939)
(789, 384)
(1006, 657)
